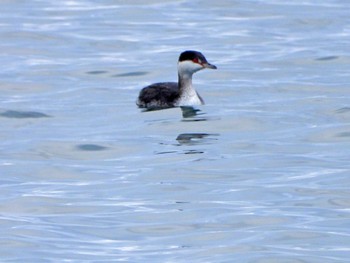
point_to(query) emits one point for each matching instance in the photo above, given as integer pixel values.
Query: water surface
(258, 174)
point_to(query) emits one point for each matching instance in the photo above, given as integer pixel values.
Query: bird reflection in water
(195, 138)
(191, 114)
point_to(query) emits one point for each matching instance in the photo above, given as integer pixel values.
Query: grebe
(172, 94)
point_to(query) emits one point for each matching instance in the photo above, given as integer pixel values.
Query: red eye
(195, 60)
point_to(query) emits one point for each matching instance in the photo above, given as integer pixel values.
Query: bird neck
(188, 95)
(185, 85)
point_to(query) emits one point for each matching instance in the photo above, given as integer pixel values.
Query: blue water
(258, 174)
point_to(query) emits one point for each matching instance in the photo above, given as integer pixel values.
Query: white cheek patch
(188, 66)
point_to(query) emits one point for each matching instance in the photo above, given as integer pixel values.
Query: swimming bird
(181, 93)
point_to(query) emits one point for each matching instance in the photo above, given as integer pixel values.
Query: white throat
(188, 94)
